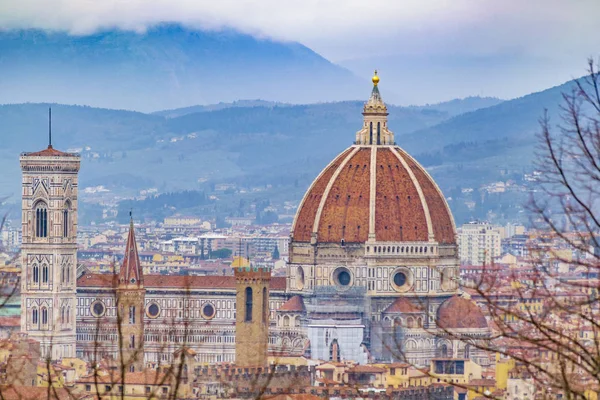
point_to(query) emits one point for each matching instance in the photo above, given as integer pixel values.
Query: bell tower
(49, 249)
(130, 306)
(252, 314)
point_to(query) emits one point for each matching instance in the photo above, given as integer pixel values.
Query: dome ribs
(399, 214)
(460, 313)
(345, 212)
(303, 225)
(441, 219)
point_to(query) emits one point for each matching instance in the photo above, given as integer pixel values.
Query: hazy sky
(549, 40)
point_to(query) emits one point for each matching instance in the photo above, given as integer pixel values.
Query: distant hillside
(167, 67)
(449, 108)
(461, 106)
(128, 151)
(283, 146)
(489, 142)
(179, 112)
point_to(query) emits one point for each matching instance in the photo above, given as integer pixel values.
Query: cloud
(343, 29)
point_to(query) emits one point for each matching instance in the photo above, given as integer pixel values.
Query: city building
(479, 243)
(372, 275)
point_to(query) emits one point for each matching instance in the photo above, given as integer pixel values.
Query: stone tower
(130, 306)
(252, 314)
(49, 250)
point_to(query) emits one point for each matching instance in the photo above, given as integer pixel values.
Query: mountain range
(463, 143)
(195, 131)
(168, 66)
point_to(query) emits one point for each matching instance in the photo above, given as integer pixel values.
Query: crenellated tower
(252, 314)
(49, 249)
(130, 305)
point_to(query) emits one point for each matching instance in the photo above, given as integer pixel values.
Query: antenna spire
(49, 127)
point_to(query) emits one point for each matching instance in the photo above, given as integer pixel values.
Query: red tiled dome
(402, 305)
(295, 304)
(406, 206)
(458, 312)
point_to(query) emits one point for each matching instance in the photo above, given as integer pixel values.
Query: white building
(479, 243)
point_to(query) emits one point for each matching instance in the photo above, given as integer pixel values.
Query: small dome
(295, 304)
(458, 313)
(403, 306)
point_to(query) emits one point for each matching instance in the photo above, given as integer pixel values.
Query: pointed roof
(295, 304)
(50, 152)
(131, 269)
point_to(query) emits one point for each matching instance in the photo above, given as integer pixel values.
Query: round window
(208, 311)
(98, 309)
(153, 310)
(342, 277)
(399, 279)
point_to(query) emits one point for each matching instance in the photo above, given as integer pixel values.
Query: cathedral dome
(459, 313)
(374, 191)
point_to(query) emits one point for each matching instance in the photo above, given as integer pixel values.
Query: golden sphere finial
(375, 78)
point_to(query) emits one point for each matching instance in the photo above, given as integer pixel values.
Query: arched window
(370, 133)
(41, 220)
(62, 273)
(286, 321)
(68, 277)
(265, 299)
(44, 273)
(467, 351)
(34, 316)
(44, 316)
(36, 273)
(419, 322)
(379, 133)
(62, 315)
(248, 316)
(410, 322)
(66, 220)
(68, 318)
(444, 351)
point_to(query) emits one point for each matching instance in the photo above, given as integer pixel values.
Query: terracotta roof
(369, 369)
(10, 392)
(175, 281)
(403, 305)
(408, 203)
(310, 204)
(295, 304)
(10, 321)
(458, 312)
(131, 270)
(50, 152)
